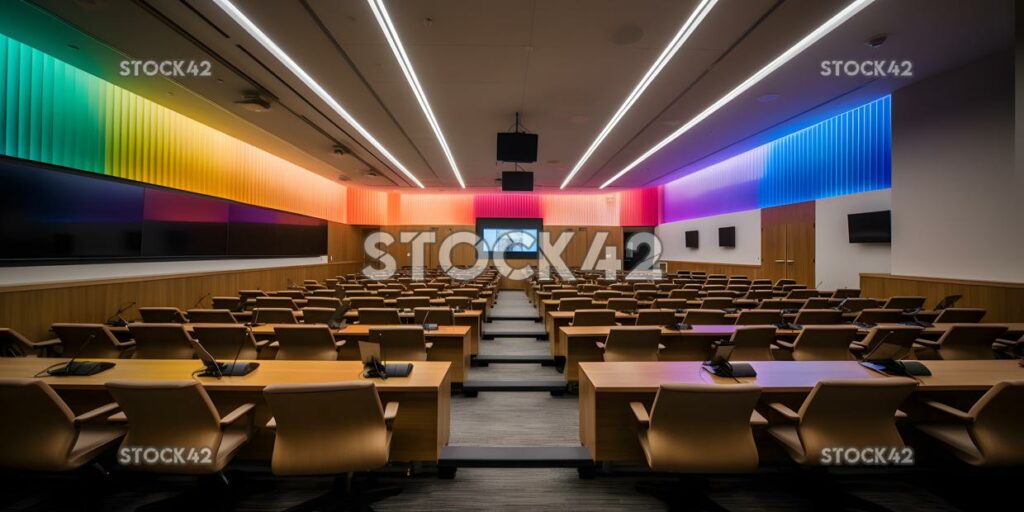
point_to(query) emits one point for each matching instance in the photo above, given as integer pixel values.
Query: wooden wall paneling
(751, 271)
(1004, 301)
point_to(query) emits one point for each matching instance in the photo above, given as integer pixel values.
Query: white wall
(837, 262)
(748, 239)
(958, 204)
(14, 276)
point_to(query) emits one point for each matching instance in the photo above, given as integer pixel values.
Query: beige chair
(606, 295)
(210, 316)
(962, 341)
(717, 303)
(274, 316)
(276, 302)
(705, 317)
(434, 315)
(350, 432)
(683, 294)
(162, 315)
(671, 304)
(401, 343)
(658, 317)
(879, 316)
(623, 304)
(590, 317)
(819, 343)
(645, 295)
(860, 304)
(574, 303)
(379, 316)
(899, 340)
(389, 293)
(39, 432)
(13, 344)
(563, 293)
(846, 293)
(180, 414)
(752, 343)
(228, 303)
(631, 344)
(90, 341)
(317, 315)
(306, 343)
(989, 434)
(904, 303)
(960, 316)
(817, 303)
(323, 302)
(819, 317)
(759, 317)
(228, 342)
(161, 341)
(413, 302)
(366, 302)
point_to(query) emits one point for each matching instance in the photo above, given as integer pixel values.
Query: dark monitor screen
(692, 239)
(180, 224)
(727, 237)
(870, 227)
(517, 147)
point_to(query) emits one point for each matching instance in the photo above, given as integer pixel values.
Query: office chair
(228, 342)
(759, 317)
(379, 316)
(817, 303)
(683, 294)
(162, 316)
(306, 343)
(631, 344)
(960, 316)
(401, 343)
(291, 294)
(349, 420)
(606, 295)
(434, 315)
(314, 315)
(856, 305)
(879, 316)
(759, 294)
(472, 293)
(413, 302)
(228, 303)
(39, 432)
(671, 304)
(161, 341)
(801, 294)
(274, 316)
(574, 303)
(705, 317)
(819, 343)
(196, 423)
(211, 316)
(645, 295)
(782, 283)
(276, 302)
(961, 341)
(590, 317)
(752, 343)
(323, 302)
(819, 317)
(101, 342)
(421, 291)
(905, 303)
(389, 293)
(623, 304)
(366, 302)
(846, 293)
(987, 435)
(563, 293)
(13, 344)
(717, 303)
(902, 336)
(656, 317)
(458, 302)
(622, 287)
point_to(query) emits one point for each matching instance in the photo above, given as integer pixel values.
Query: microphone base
(236, 369)
(80, 369)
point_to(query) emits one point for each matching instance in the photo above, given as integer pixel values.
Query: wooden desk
(609, 430)
(471, 318)
(420, 431)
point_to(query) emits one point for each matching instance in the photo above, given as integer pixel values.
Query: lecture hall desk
(608, 428)
(471, 317)
(420, 430)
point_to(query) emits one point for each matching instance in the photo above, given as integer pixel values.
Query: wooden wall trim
(1004, 301)
(944, 280)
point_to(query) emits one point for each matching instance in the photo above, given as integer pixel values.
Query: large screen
(871, 227)
(514, 238)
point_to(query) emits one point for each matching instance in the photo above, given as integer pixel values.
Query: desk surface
(442, 331)
(467, 313)
(793, 376)
(590, 331)
(426, 375)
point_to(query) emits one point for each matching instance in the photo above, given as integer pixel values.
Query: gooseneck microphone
(116, 320)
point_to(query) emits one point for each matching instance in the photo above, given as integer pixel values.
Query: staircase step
(556, 387)
(484, 360)
(515, 456)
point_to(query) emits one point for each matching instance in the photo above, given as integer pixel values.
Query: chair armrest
(119, 418)
(949, 410)
(390, 413)
(785, 344)
(272, 424)
(1002, 343)
(600, 344)
(262, 343)
(56, 341)
(125, 344)
(900, 415)
(101, 412)
(757, 420)
(857, 348)
(661, 347)
(274, 344)
(785, 411)
(339, 343)
(927, 343)
(640, 412)
(234, 415)
(429, 345)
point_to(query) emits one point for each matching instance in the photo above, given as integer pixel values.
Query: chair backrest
(705, 317)
(211, 316)
(563, 293)
(969, 341)
(74, 336)
(904, 302)
(852, 414)
(170, 413)
(801, 293)
(323, 302)
(317, 315)
(276, 302)
(860, 304)
(891, 342)
(846, 293)
(162, 315)
(366, 302)
(434, 315)
(645, 295)
(305, 343)
(817, 303)
(413, 302)
(623, 304)
(670, 303)
(717, 440)
(879, 316)
(998, 423)
(379, 316)
(585, 317)
(389, 293)
(960, 316)
(458, 302)
(291, 294)
(606, 295)
(228, 303)
(574, 303)
(682, 293)
(226, 341)
(327, 429)
(657, 317)
(161, 341)
(251, 294)
(467, 292)
(274, 316)
(819, 317)
(632, 344)
(759, 294)
(400, 343)
(759, 317)
(37, 427)
(13, 344)
(716, 303)
(423, 291)
(824, 343)
(752, 343)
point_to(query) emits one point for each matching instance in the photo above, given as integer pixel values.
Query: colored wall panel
(507, 205)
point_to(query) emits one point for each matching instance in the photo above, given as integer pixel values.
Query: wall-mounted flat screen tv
(870, 227)
(727, 237)
(692, 239)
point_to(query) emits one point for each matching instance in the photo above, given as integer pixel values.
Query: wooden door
(787, 242)
(773, 244)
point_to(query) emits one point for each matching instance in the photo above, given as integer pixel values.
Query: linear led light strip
(391, 33)
(666, 55)
(782, 59)
(276, 51)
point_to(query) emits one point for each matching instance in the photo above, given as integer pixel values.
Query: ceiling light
(684, 33)
(283, 57)
(391, 33)
(785, 57)
(254, 103)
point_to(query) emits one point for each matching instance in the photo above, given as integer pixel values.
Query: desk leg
(455, 351)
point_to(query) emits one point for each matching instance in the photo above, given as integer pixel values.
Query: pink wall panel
(434, 210)
(580, 209)
(507, 205)
(640, 207)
